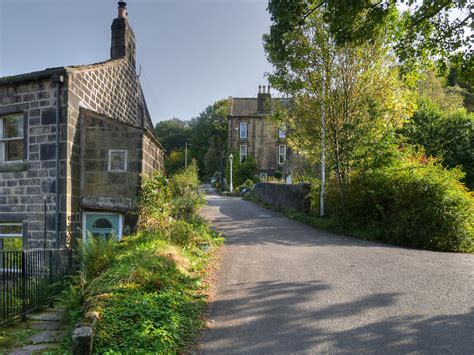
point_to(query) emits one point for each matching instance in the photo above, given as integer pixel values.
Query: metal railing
(26, 278)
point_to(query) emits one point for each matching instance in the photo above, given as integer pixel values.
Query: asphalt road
(285, 287)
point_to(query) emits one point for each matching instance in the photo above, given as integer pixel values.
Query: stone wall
(153, 155)
(112, 89)
(25, 186)
(100, 188)
(285, 196)
(262, 141)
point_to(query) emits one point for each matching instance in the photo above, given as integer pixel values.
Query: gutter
(58, 80)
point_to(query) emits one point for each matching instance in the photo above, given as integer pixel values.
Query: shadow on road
(274, 311)
(267, 226)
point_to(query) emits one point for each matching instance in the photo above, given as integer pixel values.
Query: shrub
(184, 188)
(417, 204)
(277, 175)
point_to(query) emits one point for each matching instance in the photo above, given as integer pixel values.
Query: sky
(191, 52)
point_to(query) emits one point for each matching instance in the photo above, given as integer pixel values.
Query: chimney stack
(264, 100)
(123, 38)
(122, 9)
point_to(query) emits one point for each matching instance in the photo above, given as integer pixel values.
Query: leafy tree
(241, 170)
(174, 161)
(364, 100)
(173, 133)
(449, 136)
(430, 87)
(209, 132)
(427, 29)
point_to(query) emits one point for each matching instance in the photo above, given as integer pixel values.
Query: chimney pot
(269, 88)
(264, 89)
(260, 89)
(122, 9)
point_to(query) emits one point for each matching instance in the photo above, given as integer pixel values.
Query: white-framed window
(243, 130)
(11, 137)
(263, 176)
(243, 152)
(281, 154)
(118, 160)
(11, 236)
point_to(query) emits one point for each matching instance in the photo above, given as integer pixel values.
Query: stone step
(48, 336)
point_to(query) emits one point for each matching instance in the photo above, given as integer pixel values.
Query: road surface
(285, 287)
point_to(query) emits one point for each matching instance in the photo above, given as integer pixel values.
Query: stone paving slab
(31, 349)
(49, 315)
(48, 336)
(46, 325)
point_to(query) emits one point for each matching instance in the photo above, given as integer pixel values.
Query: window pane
(117, 161)
(243, 129)
(14, 150)
(11, 229)
(13, 126)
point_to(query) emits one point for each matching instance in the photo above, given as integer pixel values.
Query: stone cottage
(74, 143)
(251, 131)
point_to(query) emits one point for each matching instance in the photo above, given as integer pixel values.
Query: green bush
(184, 187)
(449, 136)
(278, 174)
(416, 204)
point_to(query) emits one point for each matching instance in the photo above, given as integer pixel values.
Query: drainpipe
(58, 80)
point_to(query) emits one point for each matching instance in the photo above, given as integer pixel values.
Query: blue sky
(192, 52)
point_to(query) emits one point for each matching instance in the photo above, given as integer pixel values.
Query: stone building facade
(74, 143)
(252, 131)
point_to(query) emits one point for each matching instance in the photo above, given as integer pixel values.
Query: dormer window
(117, 160)
(243, 130)
(11, 138)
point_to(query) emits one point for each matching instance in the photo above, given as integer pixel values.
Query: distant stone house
(74, 143)
(252, 131)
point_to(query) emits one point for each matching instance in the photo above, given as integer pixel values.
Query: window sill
(13, 166)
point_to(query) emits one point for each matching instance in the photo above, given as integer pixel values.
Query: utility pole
(323, 160)
(186, 155)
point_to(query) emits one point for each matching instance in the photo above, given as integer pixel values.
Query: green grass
(150, 295)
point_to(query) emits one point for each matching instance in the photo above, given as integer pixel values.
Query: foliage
(242, 170)
(184, 187)
(154, 202)
(449, 136)
(433, 89)
(278, 174)
(364, 99)
(415, 203)
(209, 137)
(427, 29)
(248, 184)
(147, 289)
(174, 161)
(173, 133)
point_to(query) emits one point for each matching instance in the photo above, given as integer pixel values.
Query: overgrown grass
(148, 289)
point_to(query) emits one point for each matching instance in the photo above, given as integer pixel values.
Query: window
(102, 225)
(243, 130)
(281, 154)
(282, 131)
(11, 236)
(243, 153)
(117, 160)
(263, 176)
(11, 137)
